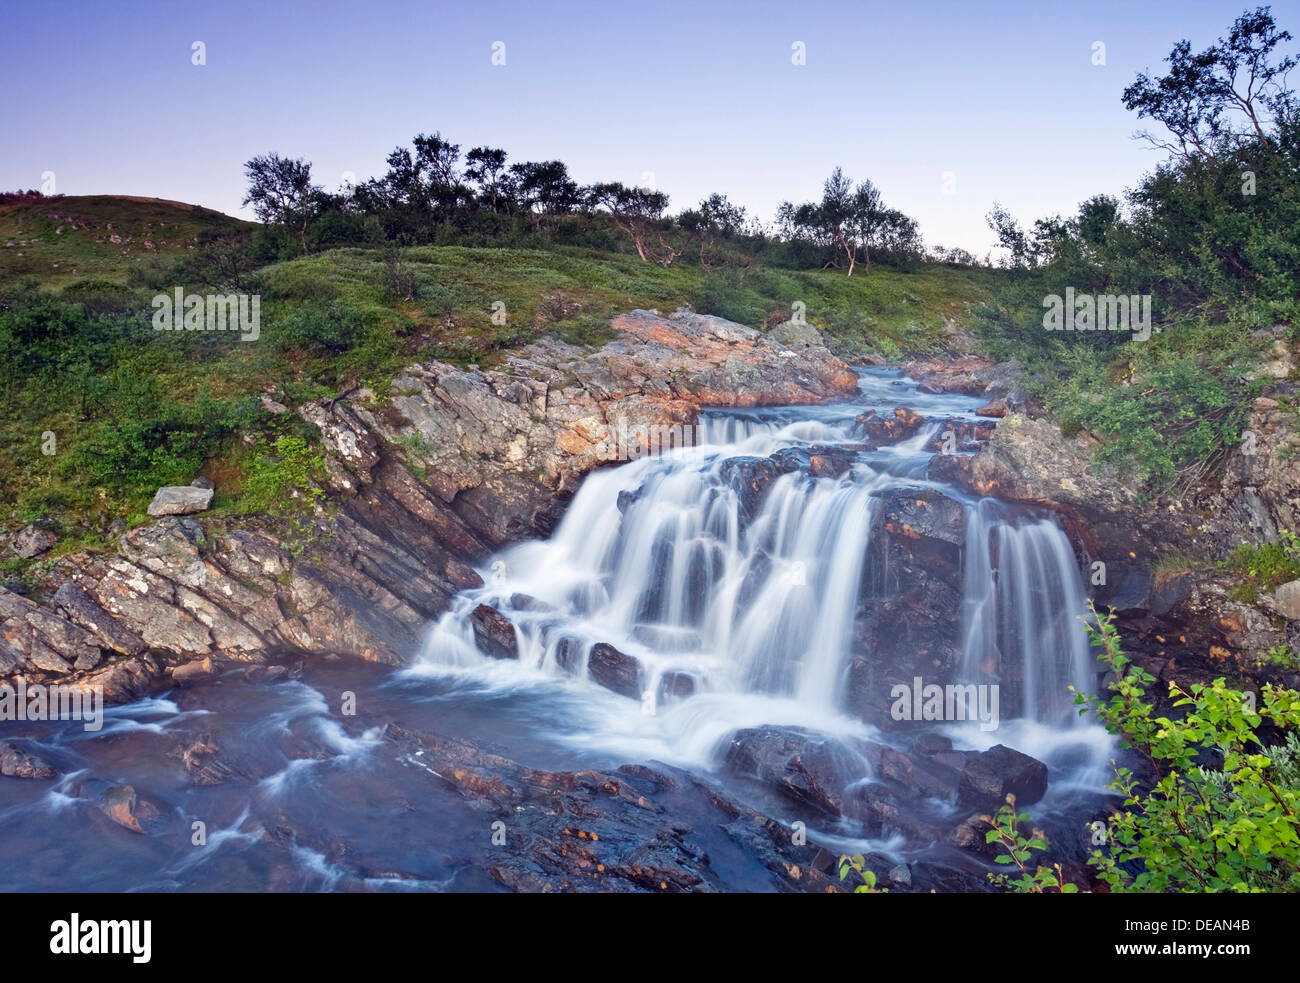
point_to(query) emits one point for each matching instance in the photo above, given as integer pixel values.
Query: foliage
(866, 877)
(1221, 814)
(1018, 849)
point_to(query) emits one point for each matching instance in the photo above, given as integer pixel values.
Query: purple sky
(703, 95)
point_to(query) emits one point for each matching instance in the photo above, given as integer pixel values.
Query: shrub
(1226, 825)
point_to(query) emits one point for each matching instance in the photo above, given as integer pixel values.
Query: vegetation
(1222, 812)
(1018, 849)
(1209, 236)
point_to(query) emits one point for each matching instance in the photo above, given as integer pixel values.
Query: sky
(946, 106)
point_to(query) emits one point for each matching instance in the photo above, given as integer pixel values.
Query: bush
(1227, 825)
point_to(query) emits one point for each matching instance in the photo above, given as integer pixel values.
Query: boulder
(180, 500)
(1286, 599)
(494, 634)
(989, 776)
(615, 670)
(888, 429)
(32, 541)
(17, 763)
(797, 334)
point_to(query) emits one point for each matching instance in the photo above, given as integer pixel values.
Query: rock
(1286, 599)
(17, 763)
(997, 408)
(121, 804)
(494, 634)
(32, 541)
(192, 672)
(180, 500)
(634, 829)
(901, 875)
(805, 767)
(989, 776)
(676, 685)
(904, 424)
(797, 334)
(750, 477)
(202, 481)
(615, 670)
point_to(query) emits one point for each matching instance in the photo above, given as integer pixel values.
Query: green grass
(133, 409)
(61, 241)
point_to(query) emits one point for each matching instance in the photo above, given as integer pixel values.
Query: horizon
(719, 104)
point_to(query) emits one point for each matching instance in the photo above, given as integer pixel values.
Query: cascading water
(667, 562)
(1022, 601)
(739, 584)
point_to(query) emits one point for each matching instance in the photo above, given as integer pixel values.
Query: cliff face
(451, 466)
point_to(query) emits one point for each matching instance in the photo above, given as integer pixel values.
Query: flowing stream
(740, 611)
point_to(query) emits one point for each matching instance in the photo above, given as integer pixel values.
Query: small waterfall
(1022, 600)
(667, 561)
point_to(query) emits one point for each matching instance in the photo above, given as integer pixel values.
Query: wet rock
(635, 829)
(17, 763)
(902, 424)
(676, 685)
(751, 477)
(818, 461)
(203, 765)
(494, 634)
(121, 804)
(193, 672)
(180, 500)
(990, 776)
(809, 769)
(615, 670)
(32, 541)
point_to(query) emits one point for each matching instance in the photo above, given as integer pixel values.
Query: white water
(758, 612)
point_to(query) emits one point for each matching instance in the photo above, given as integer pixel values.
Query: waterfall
(1022, 600)
(752, 599)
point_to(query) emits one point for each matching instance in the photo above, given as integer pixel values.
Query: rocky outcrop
(634, 829)
(453, 465)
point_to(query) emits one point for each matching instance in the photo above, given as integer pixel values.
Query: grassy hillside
(132, 408)
(61, 240)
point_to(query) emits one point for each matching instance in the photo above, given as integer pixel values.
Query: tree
(1011, 237)
(715, 222)
(486, 169)
(1213, 100)
(281, 192)
(636, 211)
(846, 220)
(545, 187)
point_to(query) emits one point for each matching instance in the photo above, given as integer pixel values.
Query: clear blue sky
(703, 94)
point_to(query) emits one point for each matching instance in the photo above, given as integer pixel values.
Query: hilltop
(63, 238)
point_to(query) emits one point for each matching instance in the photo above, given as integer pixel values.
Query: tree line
(434, 193)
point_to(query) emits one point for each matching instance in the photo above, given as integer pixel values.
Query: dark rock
(807, 768)
(990, 776)
(493, 633)
(615, 670)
